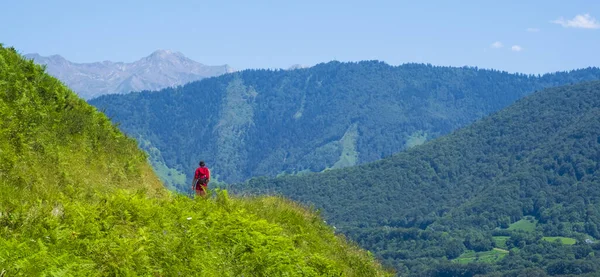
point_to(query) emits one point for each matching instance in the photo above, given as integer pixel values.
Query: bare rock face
(161, 69)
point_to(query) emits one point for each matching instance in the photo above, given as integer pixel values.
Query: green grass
(491, 256)
(349, 156)
(126, 233)
(300, 111)
(172, 178)
(500, 241)
(78, 198)
(564, 240)
(526, 224)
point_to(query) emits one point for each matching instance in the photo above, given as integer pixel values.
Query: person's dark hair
(202, 163)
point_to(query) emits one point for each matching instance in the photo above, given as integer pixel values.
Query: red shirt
(202, 172)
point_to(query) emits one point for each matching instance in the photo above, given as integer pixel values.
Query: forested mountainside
(78, 198)
(332, 115)
(517, 192)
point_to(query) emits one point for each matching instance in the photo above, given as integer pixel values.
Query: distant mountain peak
(162, 68)
(164, 53)
(37, 56)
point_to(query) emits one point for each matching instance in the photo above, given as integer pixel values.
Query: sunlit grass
(491, 256)
(525, 224)
(78, 198)
(563, 240)
(500, 241)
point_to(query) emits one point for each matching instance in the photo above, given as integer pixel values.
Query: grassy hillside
(77, 198)
(527, 172)
(126, 233)
(264, 122)
(52, 141)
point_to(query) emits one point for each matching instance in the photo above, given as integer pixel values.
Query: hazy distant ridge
(161, 69)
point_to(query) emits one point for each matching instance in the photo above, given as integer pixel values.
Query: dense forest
(516, 193)
(78, 198)
(332, 115)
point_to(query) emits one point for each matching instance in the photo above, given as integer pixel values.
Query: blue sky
(551, 35)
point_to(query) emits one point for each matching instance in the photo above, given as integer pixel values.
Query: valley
(406, 139)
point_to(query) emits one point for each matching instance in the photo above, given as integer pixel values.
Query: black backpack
(203, 180)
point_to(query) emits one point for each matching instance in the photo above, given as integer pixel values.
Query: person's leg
(202, 191)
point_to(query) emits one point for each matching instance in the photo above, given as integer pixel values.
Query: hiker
(201, 179)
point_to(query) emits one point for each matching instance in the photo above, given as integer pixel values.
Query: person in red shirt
(201, 179)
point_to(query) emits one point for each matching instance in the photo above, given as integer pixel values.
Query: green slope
(538, 157)
(51, 140)
(264, 122)
(78, 198)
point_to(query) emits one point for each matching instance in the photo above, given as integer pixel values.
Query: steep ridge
(537, 159)
(77, 198)
(43, 122)
(262, 122)
(162, 68)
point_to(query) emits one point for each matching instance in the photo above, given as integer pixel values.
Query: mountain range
(516, 193)
(484, 173)
(78, 198)
(439, 171)
(332, 115)
(161, 69)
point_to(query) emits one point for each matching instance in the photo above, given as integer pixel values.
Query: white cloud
(516, 48)
(585, 21)
(497, 44)
(533, 30)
